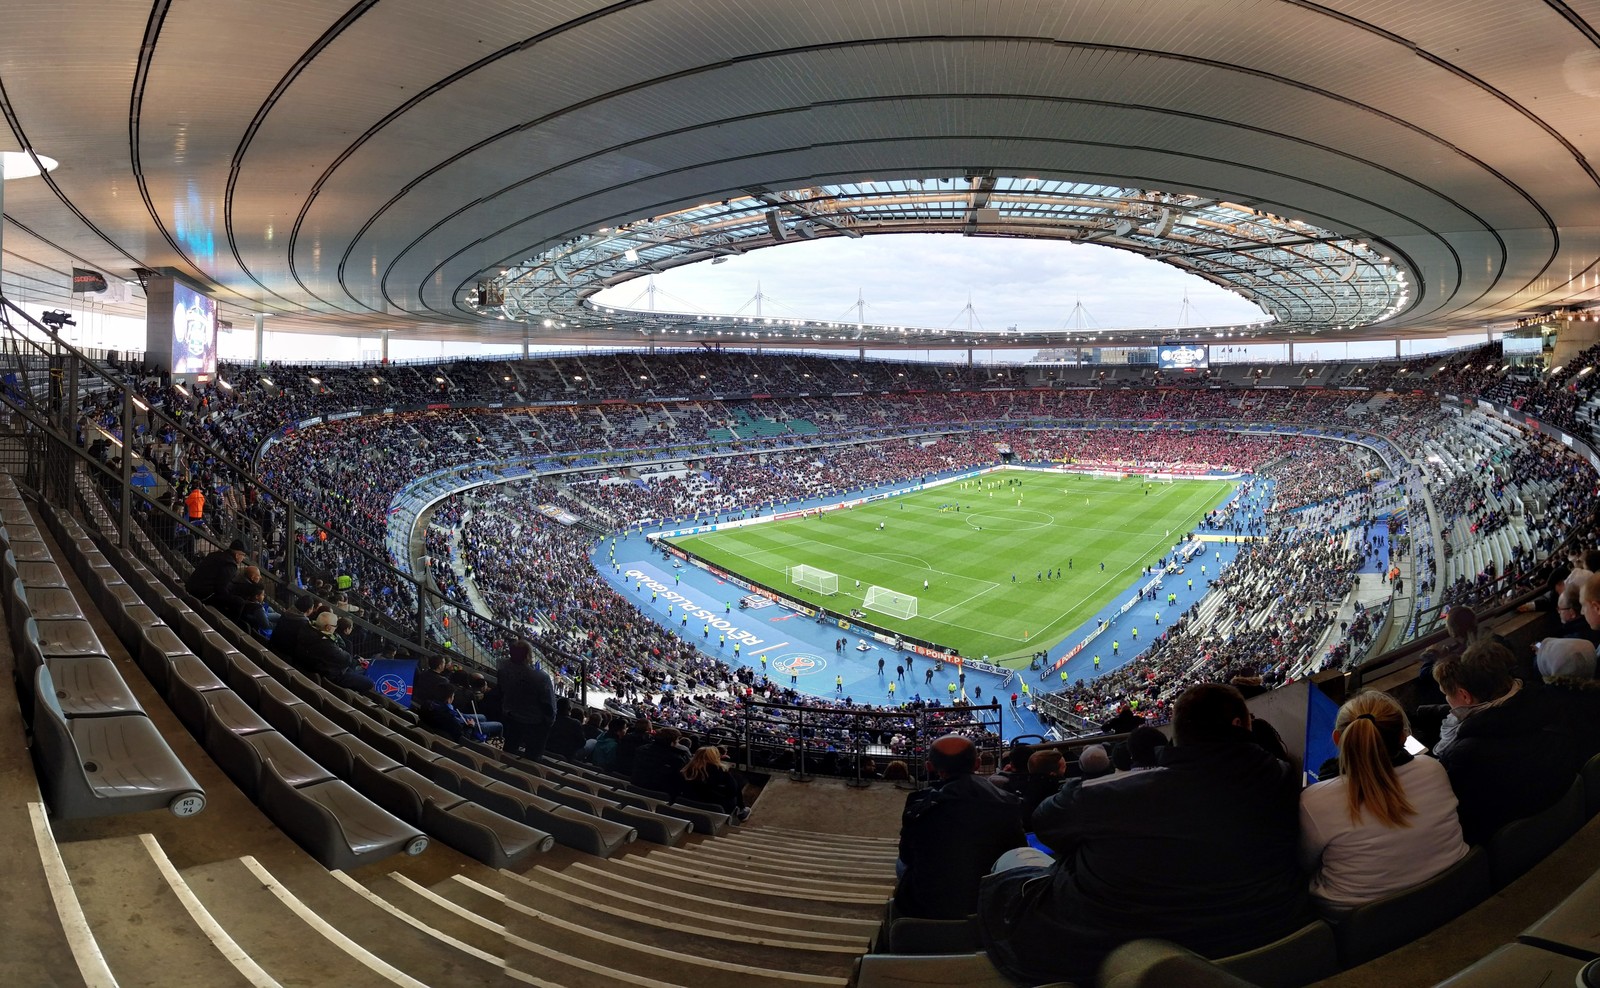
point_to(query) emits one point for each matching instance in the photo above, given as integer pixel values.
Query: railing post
(291, 537)
(860, 750)
(799, 773)
(125, 523)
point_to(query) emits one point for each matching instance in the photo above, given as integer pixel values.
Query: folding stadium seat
(63, 638)
(30, 552)
(188, 683)
(101, 766)
(1308, 954)
(337, 825)
(157, 646)
(130, 622)
(570, 827)
(46, 603)
(1520, 965)
(1378, 927)
(1591, 787)
(85, 685)
(273, 701)
(1159, 964)
(245, 677)
(471, 829)
(339, 751)
(36, 574)
(1521, 844)
(212, 648)
(966, 970)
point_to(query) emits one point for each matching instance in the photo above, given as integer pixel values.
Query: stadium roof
(377, 165)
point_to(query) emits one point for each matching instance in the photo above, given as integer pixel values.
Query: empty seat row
(270, 740)
(334, 823)
(96, 751)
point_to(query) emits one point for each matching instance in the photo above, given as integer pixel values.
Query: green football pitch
(981, 563)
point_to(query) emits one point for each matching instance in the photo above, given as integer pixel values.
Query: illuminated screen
(1522, 345)
(194, 332)
(1183, 356)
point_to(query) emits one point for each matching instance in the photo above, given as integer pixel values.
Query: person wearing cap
(950, 834)
(1557, 657)
(1201, 852)
(321, 654)
(1386, 822)
(213, 575)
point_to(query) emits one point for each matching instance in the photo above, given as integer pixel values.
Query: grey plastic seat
(129, 623)
(15, 513)
(31, 551)
(1570, 927)
(400, 790)
(275, 704)
(1591, 787)
(1378, 927)
(242, 756)
(158, 646)
(668, 831)
(1306, 955)
(226, 712)
(245, 677)
(570, 827)
(102, 766)
(70, 637)
(52, 603)
(894, 971)
(112, 594)
(188, 682)
(1518, 965)
(481, 833)
(335, 824)
(40, 574)
(22, 532)
(1160, 964)
(91, 686)
(339, 752)
(1521, 844)
(914, 935)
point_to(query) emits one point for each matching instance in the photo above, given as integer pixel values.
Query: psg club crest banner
(393, 678)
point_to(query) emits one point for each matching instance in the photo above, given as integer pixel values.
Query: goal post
(890, 602)
(817, 580)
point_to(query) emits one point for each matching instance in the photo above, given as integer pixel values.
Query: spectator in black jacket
(291, 628)
(950, 834)
(657, 765)
(527, 702)
(566, 734)
(213, 575)
(430, 685)
(321, 655)
(1511, 755)
(1201, 852)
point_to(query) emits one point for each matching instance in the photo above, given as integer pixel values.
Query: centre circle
(1010, 520)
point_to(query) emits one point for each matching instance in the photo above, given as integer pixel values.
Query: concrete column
(383, 345)
(1291, 351)
(1397, 348)
(261, 339)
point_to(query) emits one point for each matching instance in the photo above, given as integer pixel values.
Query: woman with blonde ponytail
(1387, 822)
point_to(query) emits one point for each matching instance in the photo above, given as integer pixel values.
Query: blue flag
(1321, 712)
(393, 678)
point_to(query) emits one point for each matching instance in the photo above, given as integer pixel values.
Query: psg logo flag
(85, 280)
(393, 678)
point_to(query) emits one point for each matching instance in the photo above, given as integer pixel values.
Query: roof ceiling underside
(362, 165)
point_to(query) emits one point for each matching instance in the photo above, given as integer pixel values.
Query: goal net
(811, 578)
(890, 602)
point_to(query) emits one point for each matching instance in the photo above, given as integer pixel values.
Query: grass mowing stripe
(984, 563)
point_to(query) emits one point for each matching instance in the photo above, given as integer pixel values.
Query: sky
(927, 279)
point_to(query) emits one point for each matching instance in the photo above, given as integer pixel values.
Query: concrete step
(293, 950)
(733, 895)
(734, 939)
(146, 933)
(762, 860)
(796, 877)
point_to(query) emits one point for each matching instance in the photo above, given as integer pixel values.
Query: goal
(890, 602)
(811, 578)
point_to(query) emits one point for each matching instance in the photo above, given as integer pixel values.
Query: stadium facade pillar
(1291, 351)
(383, 347)
(1397, 348)
(261, 339)
(1573, 336)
